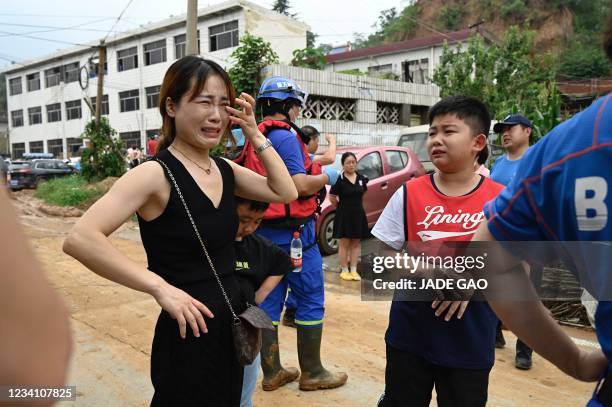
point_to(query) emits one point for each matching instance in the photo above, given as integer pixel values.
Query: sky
(61, 24)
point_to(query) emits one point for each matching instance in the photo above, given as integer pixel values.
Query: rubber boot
(289, 318)
(275, 375)
(314, 375)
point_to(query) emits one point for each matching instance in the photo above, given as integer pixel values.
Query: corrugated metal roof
(402, 46)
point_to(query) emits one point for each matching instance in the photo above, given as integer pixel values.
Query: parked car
(387, 168)
(28, 174)
(3, 172)
(415, 138)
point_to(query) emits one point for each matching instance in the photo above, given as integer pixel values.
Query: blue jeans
(249, 382)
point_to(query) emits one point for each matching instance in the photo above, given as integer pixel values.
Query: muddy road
(113, 329)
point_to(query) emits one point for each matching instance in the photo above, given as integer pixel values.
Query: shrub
(68, 191)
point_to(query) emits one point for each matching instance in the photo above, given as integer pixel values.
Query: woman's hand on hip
(184, 308)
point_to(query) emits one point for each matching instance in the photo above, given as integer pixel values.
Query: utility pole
(192, 28)
(101, 63)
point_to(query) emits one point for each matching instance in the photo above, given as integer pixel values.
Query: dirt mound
(63, 211)
(104, 185)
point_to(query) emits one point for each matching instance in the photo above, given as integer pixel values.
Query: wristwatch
(262, 147)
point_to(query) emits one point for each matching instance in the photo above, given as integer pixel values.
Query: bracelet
(262, 147)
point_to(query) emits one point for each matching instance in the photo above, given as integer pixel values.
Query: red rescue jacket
(295, 213)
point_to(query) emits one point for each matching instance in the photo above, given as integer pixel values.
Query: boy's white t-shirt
(390, 225)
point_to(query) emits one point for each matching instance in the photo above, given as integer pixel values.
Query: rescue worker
(281, 100)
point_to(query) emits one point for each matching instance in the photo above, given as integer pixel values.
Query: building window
(383, 72)
(71, 72)
(33, 81)
(388, 113)
(131, 139)
(93, 72)
(416, 71)
(326, 108)
(73, 144)
(180, 45)
(54, 113)
(152, 96)
(127, 59)
(35, 115)
(15, 86)
(36, 147)
(52, 77)
(223, 36)
(73, 109)
(56, 147)
(129, 100)
(18, 150)
(104, 106)
(17, 118)
(155, 52)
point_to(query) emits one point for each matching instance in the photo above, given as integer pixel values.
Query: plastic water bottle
(296, 252)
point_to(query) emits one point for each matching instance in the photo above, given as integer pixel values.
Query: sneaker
(355, 276)
(523, 361)
(346, 276)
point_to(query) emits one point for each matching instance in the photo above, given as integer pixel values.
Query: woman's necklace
(206, 170)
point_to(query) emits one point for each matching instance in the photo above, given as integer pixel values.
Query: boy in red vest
(425, 348)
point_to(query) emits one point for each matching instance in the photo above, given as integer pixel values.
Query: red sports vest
(299, 211)
(432, 217)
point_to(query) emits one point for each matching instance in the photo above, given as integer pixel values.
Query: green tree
(311, 39)
(282, 6)
(391, 27)
(450, 17)
(313, 58)
(584, 61)
(250, 57)
(516, 9)
(506, 77)
(103, 157)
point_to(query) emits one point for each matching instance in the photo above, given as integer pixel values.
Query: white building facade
(412, 61)
(46, 99)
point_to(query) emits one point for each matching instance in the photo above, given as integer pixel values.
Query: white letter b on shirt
(591, 210)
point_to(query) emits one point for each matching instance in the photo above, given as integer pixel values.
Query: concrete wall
(367, 92)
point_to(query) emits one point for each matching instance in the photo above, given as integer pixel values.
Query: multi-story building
(412, 61)
(47, 96)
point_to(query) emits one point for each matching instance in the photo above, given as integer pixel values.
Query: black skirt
(200, 371)
(350, 222)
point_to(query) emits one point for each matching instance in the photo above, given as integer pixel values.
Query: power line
(43, 39)
(56, 28)
(118, 19)
(65, 16)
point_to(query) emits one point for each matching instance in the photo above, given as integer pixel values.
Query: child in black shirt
(260, 266)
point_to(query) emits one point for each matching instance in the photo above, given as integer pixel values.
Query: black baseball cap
(511, 120)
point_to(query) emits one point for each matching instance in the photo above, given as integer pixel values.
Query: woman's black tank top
(173, 251)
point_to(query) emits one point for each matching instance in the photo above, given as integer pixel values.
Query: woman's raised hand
(184, 308)
(245, 117)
